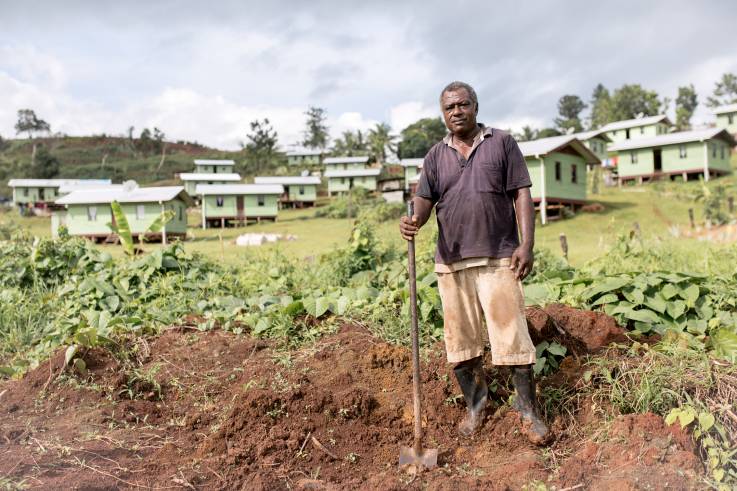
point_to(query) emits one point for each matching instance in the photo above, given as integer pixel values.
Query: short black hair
(455, 86)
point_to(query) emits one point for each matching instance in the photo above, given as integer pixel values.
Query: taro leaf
(724, 343)
(697, 327)
(366, 293)
(343, 304)
(69, 353)
(643, 315)
(261, 326)
(111, 303)
(322, 305)
(635, 296)
(669, 291)
(676, 309)
(706, 420)
(608, 285)
(672, 416)
(539, 365)
(608, 298)
(541, 347)
(686, 417)
(656, 303)
(557, 349)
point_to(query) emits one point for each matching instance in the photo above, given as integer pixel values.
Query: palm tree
(380, 141)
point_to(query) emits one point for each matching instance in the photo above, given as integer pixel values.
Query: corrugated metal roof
(585, 135)
(287, 180)
(672, 139)
(136, 195)
(297, 153)
(53, 183)
(729, 108)
(634, 123)
(346, 160)
(352, 173)
(224, 189)
(209, 176)
(68, 188)
(411, 162)
(213, 162)
(544, 146)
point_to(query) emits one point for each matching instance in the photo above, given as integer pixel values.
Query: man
(478, 182)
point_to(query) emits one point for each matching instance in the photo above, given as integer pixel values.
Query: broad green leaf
(557, 349)
(690, 295)
(608, 298)
(706, 420)
(539, 366)
(724, 343)
(123, 228)
(69, 353)
(541, 347)
(672, 416)
(295, 308)
(686, 417)
(322, 305)
(643, 315)
(608, 285)
(343, 304)
(656, 303)
(676, 308)
(112, 303)
(669, 291)
(160, 221)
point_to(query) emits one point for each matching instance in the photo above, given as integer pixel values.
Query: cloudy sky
(201, 70)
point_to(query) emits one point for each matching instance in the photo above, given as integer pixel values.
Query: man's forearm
(525, 211)
(423, 208)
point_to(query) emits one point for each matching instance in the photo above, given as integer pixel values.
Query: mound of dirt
(233, 412)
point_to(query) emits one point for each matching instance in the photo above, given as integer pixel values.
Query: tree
(686, 103)
(45, 165)
(420, 136)
(569, 109)
(601, 107)
(527, 134)
(725, 91)
(261, 145)
(380, 140)
(350, 144)
(29, 123)
(548, 132)
(316, 133)
(630, 100)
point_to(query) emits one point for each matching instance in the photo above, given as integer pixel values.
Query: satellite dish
(640, 115)
(129, 186)
(570, 130)
(305, 173)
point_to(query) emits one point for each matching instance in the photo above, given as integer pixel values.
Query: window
(642, 130)
(627, 134)
(140, 212)
(714, 151)
(219, 201)
(682, 153)
(557, 171)
(633, 157)
(41, 194)
(729, 118)
(92, 213)
(721, 151)
(25, 192)
(301, 190)
(261, 199)
(342, 180)
(574, 174)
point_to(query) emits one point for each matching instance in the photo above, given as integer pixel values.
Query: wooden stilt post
(564, 245)
(690, 218)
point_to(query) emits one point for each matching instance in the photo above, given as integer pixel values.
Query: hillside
(109, 157)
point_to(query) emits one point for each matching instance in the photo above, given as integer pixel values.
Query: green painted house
(345, 163)
(596, 141)
(41, 193)
(299, 191)
(412, 168)
(684, 154)
(304, 158)
(224, 204)
(87, 212)
(631, 129)
(208, 166)
(557, 167)
(727, 118)
(192, 179)
(342, 181)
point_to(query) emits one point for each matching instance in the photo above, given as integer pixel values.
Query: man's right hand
(408, 228)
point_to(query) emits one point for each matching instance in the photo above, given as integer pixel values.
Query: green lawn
(654, 207)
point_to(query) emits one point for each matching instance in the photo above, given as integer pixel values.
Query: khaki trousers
(488, 293)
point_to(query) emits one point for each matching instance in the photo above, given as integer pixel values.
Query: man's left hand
(521, 263)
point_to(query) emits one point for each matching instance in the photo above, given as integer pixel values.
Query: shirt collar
(485, 131)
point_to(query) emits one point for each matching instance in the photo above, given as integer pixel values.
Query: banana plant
(122, 228)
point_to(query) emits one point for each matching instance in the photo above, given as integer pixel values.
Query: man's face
(459, 112)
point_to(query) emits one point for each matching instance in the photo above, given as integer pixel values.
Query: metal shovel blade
(427, 458)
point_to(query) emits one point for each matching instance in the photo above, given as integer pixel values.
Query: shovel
(416, 455)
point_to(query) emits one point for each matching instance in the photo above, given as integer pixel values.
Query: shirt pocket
(489, 177)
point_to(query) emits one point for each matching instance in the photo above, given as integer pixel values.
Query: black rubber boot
(526, 404)
(471, 378)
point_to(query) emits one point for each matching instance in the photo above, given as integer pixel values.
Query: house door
(239, 205)
(350, 183)
(658, 160)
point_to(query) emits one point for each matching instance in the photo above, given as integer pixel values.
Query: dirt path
(236, 413)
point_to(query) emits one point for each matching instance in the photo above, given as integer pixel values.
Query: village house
(299, 191)
(342, 181)
(727, 118)
(208, 166)
(683, 155)
(88, 212)
(644, 127)
(557, 167)
(305, 158)
(345, 163)
(41, 193)
(412, 168)
(224, 204)
(192, 179)
(596, 141)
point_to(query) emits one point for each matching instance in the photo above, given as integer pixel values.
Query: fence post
(690, 218)
(564, 245)
(730, 204)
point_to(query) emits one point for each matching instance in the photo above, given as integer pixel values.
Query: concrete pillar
(706, 162)
(543, 194)
(163, 229)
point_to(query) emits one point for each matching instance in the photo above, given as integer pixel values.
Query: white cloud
(406, 113)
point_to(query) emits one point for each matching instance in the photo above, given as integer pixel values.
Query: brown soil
(219, 411)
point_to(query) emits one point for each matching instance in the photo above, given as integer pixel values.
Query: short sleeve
(517, 174)
(427, 185)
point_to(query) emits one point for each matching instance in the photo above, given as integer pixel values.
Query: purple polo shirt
(474, 199)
